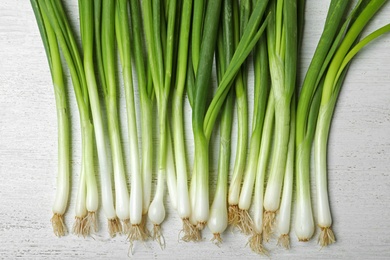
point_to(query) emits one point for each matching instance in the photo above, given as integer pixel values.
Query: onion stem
(282, 50)
(53, 55)
(53, 13)
(110, 93)
(218, 219)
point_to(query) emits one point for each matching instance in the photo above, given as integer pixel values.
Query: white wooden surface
(359, 163)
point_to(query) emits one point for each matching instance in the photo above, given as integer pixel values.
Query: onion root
(59, 228)
(326, 237)
(268, 224)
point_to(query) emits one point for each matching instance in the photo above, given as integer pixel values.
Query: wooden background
(359, 163)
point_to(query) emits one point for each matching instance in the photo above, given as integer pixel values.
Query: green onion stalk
(190, 83)
(307, 112)
(198, 12)
(202, 87)
(282, 51)
(198, 15)
(260, 231)
(145, 88)
(331, 89)
(183, 199)
(137, 230)
(87, 198)
(218, 219)
(106, 60)
(201, 90)
(170, 69)
(202, 134)
(262, 126)
(160, 57)
(284, 217)
(86, 9)
(54, 59)
(235, 212)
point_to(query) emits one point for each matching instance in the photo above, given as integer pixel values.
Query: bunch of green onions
(173, 46)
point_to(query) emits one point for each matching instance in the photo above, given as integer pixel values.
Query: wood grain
(359, 158)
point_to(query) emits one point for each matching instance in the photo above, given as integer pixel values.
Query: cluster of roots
(217, 240)
(86, 225)
(114, 226)
(126, 226)
(201, 225)
(268, 224)
(284, 241)
(158, 236)
(59, 228)
(233, 216)
(137, 232)
(190, 232)
(256, 244)
(245, 224)
(78, 226)
(239, 218)
(326, 237)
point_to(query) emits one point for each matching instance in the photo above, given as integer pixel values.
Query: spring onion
(202, 80)
(284, 216)
(218, 219)
(183, 199)
(87, 36)
(260, 139)
(242, 141)
(282, 50)
(137, 230)
(145, 88)
(182, 55)
(161, 72)
(87, 199)
(107, 61)
(331, 89)
(54, 59)
(262, 227)
(307, 111)
(202, 134)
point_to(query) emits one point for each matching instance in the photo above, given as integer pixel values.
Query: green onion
(161, 75)
(137, 231)
(87, 198)
(107, 71)
(169, 71)
(87, 36)
(284, 217)
(145, 87)
(242, 142)
(332, 86)
(250, 37)
(218, 219)
(307, 111)
(202, 81)
(53, 55)
(183, 200)
(263, 116)
(262, 227)
(282, 50)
